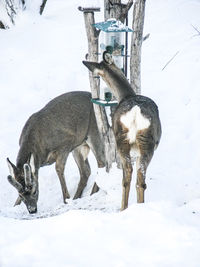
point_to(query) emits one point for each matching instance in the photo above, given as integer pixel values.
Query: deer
(135, 123)
(66, 124)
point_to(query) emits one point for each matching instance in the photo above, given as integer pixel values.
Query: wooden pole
(100, 113)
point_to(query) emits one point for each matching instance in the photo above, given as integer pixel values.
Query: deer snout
(31, 209)
(91, 65)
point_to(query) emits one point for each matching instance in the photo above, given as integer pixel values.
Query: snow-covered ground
(40, 58)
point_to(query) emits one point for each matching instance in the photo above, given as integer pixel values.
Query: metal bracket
(104, 103)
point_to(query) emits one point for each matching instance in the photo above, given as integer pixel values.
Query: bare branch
(10, 10)
(195, 29)
(146, 37)
(170, 60)
(42, 6)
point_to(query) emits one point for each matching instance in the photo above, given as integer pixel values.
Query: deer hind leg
(80, 155)
(140, 184)
(95, 142)
(146, 149)
(126, 183)
(124, 153)
(60, 167)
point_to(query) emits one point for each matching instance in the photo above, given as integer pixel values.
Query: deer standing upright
(65, 124)
(136, 125)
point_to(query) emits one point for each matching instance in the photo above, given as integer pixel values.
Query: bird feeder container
(112, 40)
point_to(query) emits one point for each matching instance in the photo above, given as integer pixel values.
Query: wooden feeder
(112, 40)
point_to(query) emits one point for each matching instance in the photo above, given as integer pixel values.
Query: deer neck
(118, 83)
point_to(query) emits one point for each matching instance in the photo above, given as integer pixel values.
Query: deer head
(25, 181)
(112, 75)
(100, 68)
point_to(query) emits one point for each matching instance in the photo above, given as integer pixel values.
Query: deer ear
(32, 163)
(107, 57)
(12, 168)
(14, 183)
(27, 174)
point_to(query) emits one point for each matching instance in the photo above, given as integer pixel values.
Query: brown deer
(135, 123)
(65, 124)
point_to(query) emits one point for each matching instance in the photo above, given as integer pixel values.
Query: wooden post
(101, 117)
(136, 45)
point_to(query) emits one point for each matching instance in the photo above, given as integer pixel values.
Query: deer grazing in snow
(65, 124)
(135, 123)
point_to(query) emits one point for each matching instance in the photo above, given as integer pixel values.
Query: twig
(146, 37)
(42, 6)
(170, 60)
(195, 29)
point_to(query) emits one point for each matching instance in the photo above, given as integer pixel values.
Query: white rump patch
(134, 121)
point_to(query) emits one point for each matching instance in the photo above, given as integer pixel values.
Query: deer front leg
(127, 175)
(60, 167)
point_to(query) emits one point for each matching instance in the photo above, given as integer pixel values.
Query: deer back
(64, 121)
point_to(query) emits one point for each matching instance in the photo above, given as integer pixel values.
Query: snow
(40, 59)
(112, 25)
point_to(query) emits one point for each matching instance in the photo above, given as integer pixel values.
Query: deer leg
(80, 155)
(145, 144)
(60, 167)
(141, 165)
(140, 184)
(95, 142)
(124, 148)
(127, 175)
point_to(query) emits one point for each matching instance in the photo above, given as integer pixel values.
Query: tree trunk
(136, 45)
(112, 9)
(115, 9)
